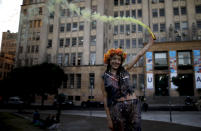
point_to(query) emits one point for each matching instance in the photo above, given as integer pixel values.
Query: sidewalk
(87, 123)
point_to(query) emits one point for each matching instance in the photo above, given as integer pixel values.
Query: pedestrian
(122, 106)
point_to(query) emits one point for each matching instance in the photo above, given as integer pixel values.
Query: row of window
(126, 2)
(184, 59)
(75, 81)
(71, 27)
(35, 23)
(127, 29)
(72, 59)
(74, 41)
(129, 43)
(129, 13)
(33, 49)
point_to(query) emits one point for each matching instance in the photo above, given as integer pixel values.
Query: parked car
(92, 103)
(66, 103)
(15, 101)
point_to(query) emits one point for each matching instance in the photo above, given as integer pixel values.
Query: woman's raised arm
(140, 54)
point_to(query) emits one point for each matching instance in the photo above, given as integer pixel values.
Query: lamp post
(170, 109)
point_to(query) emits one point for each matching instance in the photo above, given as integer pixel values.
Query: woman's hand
(110, 126)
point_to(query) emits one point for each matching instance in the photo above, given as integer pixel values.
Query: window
(115, 14)
(115, 30)
(140, 43)
(177, 26)
(116, 44)
(65, 80)
(77, 98)
(128, 29)
(81, 41)
(74, 26)
(70, 98)
(94, 9)
(162, 12)
(184, 25)
(73, 59)
(121, 2)
(139, 1)
(121, 29)
(68, 27)
(141, 81)
(67, 44)
(133, 13)
(134, 77)
(183, 10)
(127, 43)
(93, 25)
(49, 45)
(184, 58)
(52, 15)
(79, 59)
(133, 43)
(155, 12)
(62, 13)
(62, 28)
(162, 27)
(78, 76)
(133, 28)
(50, 28)
(133, 1)
(93, 40)
(66, 59)
(37, 49)
(160, 60)
(199, 24)
(92, 79)
(71, 80)
(154, 1)
(161, 1)
(128, 13)
(127, 2)
(40, 10)
(139, 13)
(92, 58)
(139, 28)
(198, 9)
(81, 26)
(115, 2)
(155, 27)
(121, 13)
(74, 41)
(59, 59)
(122, 43)
(61, 42)
(176, 11)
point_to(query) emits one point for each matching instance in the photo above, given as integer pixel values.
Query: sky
(9, 16)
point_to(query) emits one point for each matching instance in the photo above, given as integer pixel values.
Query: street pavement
(95, 120)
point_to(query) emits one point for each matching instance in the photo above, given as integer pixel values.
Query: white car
(15, 101)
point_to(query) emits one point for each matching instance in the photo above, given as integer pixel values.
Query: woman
(121, 103)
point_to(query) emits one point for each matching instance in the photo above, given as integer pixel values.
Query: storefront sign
(149, 80)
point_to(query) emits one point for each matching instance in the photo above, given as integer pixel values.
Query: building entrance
(161, 85)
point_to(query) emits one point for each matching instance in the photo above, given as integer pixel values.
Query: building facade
(7, 53)
(78, 45)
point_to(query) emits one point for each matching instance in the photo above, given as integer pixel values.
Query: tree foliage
(39, 79)
(184, 84)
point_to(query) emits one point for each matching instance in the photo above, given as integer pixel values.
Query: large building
(78, 45)
(7, 53)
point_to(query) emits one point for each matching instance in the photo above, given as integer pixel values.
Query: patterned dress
(125, 115)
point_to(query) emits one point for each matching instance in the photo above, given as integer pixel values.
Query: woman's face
(115, 62)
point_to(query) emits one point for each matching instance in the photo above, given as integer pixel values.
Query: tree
(184, 84)
(39, 79)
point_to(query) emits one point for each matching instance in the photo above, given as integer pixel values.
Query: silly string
(87, 15)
